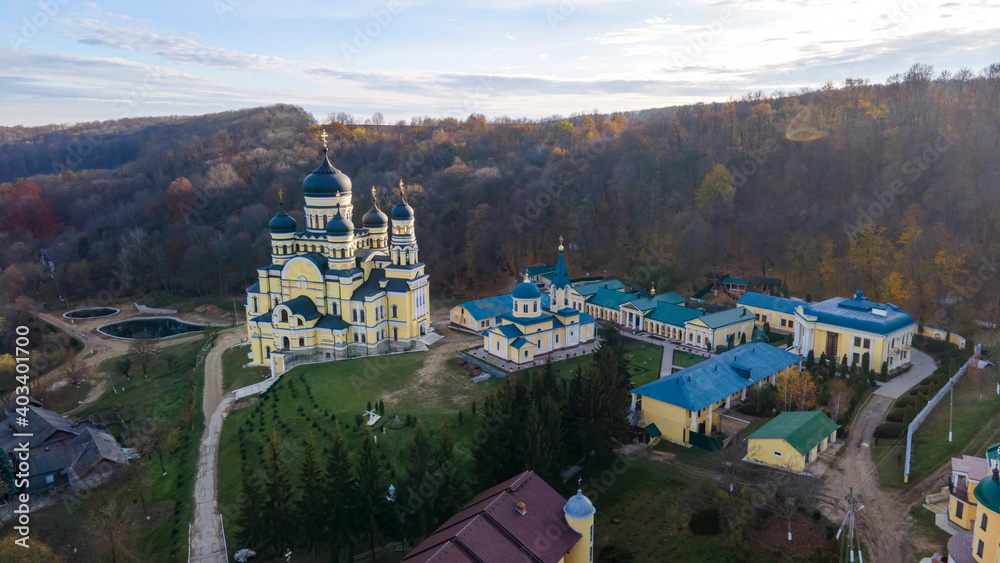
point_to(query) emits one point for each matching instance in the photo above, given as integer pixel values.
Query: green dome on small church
(282, 223)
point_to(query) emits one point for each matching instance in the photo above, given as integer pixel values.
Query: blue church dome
(579, 506)
(339, 225)
(326, 181)
(282, 223)
(527, 290)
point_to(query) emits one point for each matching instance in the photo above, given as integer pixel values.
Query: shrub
(890, 430)
(895, 415)
(705, 522)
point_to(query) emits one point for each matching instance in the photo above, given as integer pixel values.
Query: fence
(704, 442)
(490, 369)
(919, 419)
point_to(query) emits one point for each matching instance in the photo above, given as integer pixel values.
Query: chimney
(521, 508)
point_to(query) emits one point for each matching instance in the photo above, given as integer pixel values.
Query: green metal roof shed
(802, 430)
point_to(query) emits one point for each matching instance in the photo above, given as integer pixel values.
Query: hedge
(890, 430)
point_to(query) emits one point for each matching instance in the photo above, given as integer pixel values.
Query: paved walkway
(923, 367)
(206, 533)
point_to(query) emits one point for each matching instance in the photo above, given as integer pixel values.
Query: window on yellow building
(868, 344)
(959, 508)
(395, 311)
(982, 523)
(857, 341)
(979, 549)
(777, 454)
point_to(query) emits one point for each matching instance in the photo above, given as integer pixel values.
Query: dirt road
(206, 532)
(882, 524)
(104, 348)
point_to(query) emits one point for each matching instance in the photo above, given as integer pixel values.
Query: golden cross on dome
(323, 136)
(560, 240)
(402, 189)
(373, 192)
(281, 195)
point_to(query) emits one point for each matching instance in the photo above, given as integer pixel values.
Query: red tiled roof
(490, 528)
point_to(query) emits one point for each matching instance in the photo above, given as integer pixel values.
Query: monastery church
(334, 290)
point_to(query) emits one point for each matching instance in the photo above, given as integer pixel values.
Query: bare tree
(731, 459)
(143, 348)
(114, 528)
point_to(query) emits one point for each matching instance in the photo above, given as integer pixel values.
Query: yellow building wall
(968, 511)
(581, 552)
(990, 536)
(767, 451)
(773, 318)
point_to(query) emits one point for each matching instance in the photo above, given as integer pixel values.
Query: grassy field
(234, 375)
(971, 427)
(686, 359)
(167, 397)
(643, 362)
(314, 398)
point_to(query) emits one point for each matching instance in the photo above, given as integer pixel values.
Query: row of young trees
(340, 497)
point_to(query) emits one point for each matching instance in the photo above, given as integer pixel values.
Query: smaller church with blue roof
(535, 326)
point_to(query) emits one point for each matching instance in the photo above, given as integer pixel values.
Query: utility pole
(951, 408)
(850, 521)
(105, 363)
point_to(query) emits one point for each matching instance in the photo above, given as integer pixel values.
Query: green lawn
(923, 524)
(972, 433)
(686, 359)
(164, 397)
(313, 398)
(643, 361)
(234, 375)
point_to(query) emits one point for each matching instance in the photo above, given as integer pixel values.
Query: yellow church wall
(777, 453)
(583, 551)
(987, 537)
(968, 516)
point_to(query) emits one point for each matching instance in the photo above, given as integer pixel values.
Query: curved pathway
(207, 543)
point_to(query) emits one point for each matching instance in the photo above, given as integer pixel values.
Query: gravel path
(206, 532)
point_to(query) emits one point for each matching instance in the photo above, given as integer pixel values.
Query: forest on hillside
(891, 187)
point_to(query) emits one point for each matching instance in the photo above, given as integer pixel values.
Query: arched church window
(534, 307)
(362, 316)
(363, 338)
(325, 220)
(284, 316)
(407, 257)
(334, 308)
(302, 342)
(525, 307)
(354, 315)
(355, 337)
(395, 333)
(395, 312)
(256, 305)
(298, 322)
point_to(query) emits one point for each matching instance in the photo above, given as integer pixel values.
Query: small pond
(155, 327)
(91, 313)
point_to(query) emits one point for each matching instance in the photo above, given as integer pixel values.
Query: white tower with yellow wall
(579, 513)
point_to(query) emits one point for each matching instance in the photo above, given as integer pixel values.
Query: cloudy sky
(63, 61)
